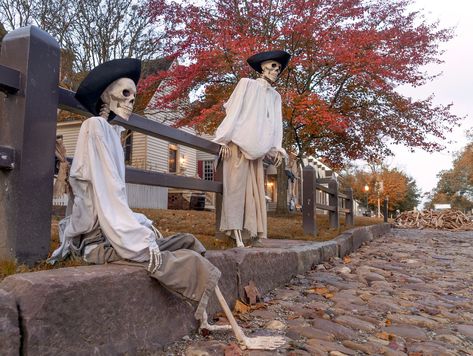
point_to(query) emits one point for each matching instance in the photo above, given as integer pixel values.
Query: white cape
(254, 119)
(97, 178)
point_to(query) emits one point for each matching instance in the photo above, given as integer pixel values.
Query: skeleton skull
(120, 97)
(271, 70)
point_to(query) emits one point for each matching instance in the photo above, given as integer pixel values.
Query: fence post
(308, 201)
(350, 216)
(28, 126)
(385, 210)
(333, 201)
(218, 176)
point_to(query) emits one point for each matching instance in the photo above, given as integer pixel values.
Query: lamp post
(367, 189)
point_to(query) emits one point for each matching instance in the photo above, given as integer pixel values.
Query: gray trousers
(184, 269)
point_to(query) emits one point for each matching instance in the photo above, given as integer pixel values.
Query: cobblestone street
(409, 292)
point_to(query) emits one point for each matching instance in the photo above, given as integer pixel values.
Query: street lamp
(367, 189)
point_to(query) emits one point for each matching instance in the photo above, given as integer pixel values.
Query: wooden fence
(29, 99)
(338, 202)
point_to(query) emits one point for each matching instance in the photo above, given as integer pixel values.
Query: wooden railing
(330, 186)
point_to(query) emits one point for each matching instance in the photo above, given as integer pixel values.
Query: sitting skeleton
(102, 228)
(251, 130)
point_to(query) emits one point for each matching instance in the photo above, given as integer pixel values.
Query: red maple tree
(340, 97)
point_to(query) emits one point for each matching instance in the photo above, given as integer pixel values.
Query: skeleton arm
(225, 152)
(155, 257)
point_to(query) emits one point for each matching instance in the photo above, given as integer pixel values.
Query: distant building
(442, 206)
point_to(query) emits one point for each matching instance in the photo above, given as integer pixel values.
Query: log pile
(441, 220)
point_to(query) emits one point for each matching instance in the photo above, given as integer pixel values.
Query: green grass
(202, 225)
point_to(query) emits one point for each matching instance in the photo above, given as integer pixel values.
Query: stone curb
(118, 310)
(9, 329)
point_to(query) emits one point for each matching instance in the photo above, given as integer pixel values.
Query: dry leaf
(388, 322)
(328, 295)
(252, 293)
(318, 290)
(346, 259)
(232, 349)
(383, 335)
(241, 308)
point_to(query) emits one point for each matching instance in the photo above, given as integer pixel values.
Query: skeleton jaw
(271, 70)
(120, 97)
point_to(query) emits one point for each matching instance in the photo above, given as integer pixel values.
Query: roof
(150, 67)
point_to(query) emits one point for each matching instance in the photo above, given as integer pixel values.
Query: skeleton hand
(225, 152)
(277, 160)
(155, 257)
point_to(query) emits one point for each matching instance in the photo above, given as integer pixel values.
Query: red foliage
(339, 91)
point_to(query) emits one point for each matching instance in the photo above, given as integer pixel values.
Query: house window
(208, 170)
(172, 162)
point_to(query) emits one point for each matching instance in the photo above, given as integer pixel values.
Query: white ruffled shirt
(97, 178)
(254, 119)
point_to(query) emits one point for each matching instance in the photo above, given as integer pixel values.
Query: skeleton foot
(238, 239)
(262, 342)
(252, 343)
(204, 325)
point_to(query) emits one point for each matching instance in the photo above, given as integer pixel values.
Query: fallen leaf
(252, 292)
(241, 308)
(346, 259)
(232, 349)
(383, 335)
(318, 290)
(388, 322)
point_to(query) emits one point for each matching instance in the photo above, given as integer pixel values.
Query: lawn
(202, 225)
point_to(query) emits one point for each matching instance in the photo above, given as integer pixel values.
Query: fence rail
(29, 74)
(309, 203)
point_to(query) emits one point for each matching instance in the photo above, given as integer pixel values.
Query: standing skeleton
(251, 130)
(103, 229)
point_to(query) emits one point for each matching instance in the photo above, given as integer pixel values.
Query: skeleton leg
(252, 343)
(205, 325)
(238, 239)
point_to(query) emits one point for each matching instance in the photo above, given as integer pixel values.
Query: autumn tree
(339, 92)
(455, 186)
(400, 189)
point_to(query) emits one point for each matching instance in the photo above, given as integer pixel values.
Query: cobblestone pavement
(409, 292)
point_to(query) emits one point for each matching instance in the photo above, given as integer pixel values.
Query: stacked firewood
(441, 220)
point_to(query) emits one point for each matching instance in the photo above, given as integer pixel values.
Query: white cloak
(254, 119)
(97, 178)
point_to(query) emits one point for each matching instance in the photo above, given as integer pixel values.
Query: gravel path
(409, 292)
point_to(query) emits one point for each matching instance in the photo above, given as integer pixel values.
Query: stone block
(344, 243)
(380, 229)
(308, 256)
(329, 249)
(268, 268)
(106, 310)
(9, 329)
(361, 235)
(226, 263)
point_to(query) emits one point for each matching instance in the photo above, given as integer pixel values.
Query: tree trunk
(281, 205)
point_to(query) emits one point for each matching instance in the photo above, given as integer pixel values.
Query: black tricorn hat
(282, 57)
(99, 78)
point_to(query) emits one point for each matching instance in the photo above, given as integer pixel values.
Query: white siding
(157, 151)
(157, 154)
(146, 196)
(69, 132)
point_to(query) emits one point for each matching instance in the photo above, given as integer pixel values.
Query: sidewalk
(119, 310)
(408, 293)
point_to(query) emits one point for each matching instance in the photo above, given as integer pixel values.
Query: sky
(453, 86)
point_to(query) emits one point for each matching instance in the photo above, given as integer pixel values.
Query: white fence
(139, 196)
